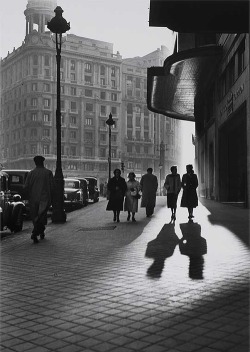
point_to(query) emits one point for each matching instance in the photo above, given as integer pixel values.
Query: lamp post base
(58, 214)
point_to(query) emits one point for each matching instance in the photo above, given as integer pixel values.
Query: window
(138, 121)
(114, 110)
(129, 121)
(72, 76)
(72, 65)
(113, 83)
(113, 138)
(73, 134)
(47, 73)
(88, 136)
(145, 149)
(88, 92)
(113, 71)
(34, 87)
(61, 75)
(88, 67)
(137, 109)
(129, 148)
(73, 153)
(88, 151)
(102, 152)
(103, 70)
(102, 81)
(137, 149)
(102, 167)
(46, 132)
(103, 137)
(62, 104)
(113, 153)
(62, 119)
(88, 79)
(138, 94)
(34, 102)
(129, 109)
(33, 132)
(113, 96)
(103, 110)
(73, 120)
(146, 112)
(46, 60)
(129, 134)
(35, 60)
(146, 136)
(73, 90)
(62, 89)
(46, 103)
(129, 93)
(103, 95)
(89, 107)
(33, 149)
(230, 73)
(73, 106)
(35, 71)
(241, 57)
(146, 124)
(46, 117)
(137, 135)
(88, 122)
(46, 149)
(137, 83)
(129, 81)
(46, 87)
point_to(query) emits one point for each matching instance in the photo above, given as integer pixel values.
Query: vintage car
(93, 189)
(12, 209)
(73, 194)
(16, 181)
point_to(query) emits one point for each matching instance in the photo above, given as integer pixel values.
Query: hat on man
(39, 159)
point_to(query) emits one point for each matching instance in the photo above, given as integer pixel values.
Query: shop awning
(189, 16)
(173, 88)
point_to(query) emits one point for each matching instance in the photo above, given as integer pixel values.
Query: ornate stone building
(94, 82)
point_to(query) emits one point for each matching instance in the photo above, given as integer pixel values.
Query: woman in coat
(189, 197)
(116, 191)
(131, 200)
(173, 187)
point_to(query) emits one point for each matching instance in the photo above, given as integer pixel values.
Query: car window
(16, 179)
(72, 184)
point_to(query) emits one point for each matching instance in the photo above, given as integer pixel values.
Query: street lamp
(110, 122)
(58, 25)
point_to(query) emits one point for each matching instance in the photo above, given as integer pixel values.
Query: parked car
(93, 189)
(85, 189)
(16, 182)
(73, 194)
(11, 207)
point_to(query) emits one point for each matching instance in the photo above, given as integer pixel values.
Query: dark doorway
(233, 159)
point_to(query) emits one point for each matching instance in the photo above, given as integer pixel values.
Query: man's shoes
(133, 219)
(114, 218)
(118, 220)
(34, 238)
(42, 235)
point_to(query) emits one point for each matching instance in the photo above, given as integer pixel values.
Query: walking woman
(131, 200)
(116, 191)
(189, 197)
(173, 187)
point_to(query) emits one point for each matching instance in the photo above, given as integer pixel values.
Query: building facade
(94, 83)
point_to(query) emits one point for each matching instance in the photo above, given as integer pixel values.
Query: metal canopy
(189, 16)
(173, 88)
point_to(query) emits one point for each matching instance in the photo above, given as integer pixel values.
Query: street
(96, 285)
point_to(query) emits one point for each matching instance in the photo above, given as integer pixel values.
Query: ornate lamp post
(58, 25)
(110, 122)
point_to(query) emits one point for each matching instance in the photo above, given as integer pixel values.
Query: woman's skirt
(171, 200)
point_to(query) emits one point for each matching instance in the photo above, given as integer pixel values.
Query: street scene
(124, 176)
(97, 285)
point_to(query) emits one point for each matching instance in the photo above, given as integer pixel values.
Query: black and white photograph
(124, 176)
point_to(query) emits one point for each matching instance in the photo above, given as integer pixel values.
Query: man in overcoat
(149, 186)
(39, 187)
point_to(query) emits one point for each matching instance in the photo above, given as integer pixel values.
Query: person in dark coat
(173, 186)
(149, 185)
(39, 187)
(189, 197)
(116, 191)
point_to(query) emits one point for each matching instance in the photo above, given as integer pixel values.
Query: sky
(125, 23)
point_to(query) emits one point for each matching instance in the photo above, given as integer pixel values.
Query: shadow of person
(160, 248)
(194, 246)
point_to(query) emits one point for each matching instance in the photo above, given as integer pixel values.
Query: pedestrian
(116, 188)
(132, 196)
(189, 197)
(149, 185)
(173, 186)
(39, 187)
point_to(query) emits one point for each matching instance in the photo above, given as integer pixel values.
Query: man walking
(149, 185)
(39, 187)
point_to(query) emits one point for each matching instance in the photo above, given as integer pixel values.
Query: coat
(189, 196)
(131, 203)
(149, 185)
(39, 188)
(173, 183)
(116, 191)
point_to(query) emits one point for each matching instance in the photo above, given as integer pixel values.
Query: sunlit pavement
(95, 285)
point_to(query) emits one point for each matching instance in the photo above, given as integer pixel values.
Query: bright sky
(121, 22)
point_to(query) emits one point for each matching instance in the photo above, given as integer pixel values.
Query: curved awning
(173, 88)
